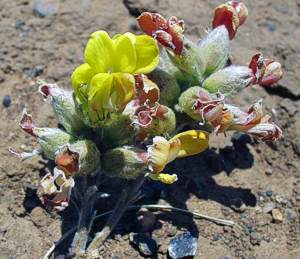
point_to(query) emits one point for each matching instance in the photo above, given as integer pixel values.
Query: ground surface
(233, 181)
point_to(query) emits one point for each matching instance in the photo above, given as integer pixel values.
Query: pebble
(238, 205)
(145, 244)
(269, 171)
(255, 238)
(271, 26)
(19, 24)
(269, 193)
(296, 147)
(44, 8)
(268, 207)
(291, 215)
(183, 245)
(6, 101)
(277, 216)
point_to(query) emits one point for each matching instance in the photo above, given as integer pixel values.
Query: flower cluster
(129, 98)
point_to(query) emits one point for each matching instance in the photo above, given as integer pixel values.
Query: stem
(127, 196)
(150, 207)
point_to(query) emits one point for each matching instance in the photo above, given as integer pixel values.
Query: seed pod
(229, 80)
(187, 101)
(125, 162)
(50, 139)
(64, 106)
(214, 50)
(80, 158)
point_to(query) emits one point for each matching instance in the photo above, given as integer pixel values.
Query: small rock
(145, 244)
(6, 101)
(238, 205)
(271, 26)
(277, 216)
(255, 239)
(296, 147)
(269, 171)
(183, 245)
(291, 215)
(269, 193)
(44, 8)
(289, 106)
(19, 24)
(147, 220)
(268, 207)
(216, 237)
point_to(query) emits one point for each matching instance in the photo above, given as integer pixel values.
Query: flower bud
(64, 106)
(232, 15)
(168, 33)
(147, 91)
(267, 72)
(169, 88)
(125, 162)
(214, 49)
(229, 80)
(54, 191)
(50, 139)
(79, 158)
(189, 61)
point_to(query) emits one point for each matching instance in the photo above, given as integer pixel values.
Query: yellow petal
(80, 79)
(124, 86)
(191, 142)
(147, 53)
(99, 52)
(125, 54)
(162, 152)
(164, 178)
(99, 94)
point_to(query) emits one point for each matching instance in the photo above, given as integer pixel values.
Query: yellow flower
(163, 151)
(105, 83)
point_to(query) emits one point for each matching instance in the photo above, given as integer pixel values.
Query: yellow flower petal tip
(162, 152)
(192, 142)
(164, 178)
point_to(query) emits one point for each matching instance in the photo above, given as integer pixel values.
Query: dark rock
(6, 101)
(255, 238)
(269, 193)
(291, 215)
(271, 26)
(183, 245)
(44, 8)
(19, 24)
(296, 147)
(136, 7)
(145, 244)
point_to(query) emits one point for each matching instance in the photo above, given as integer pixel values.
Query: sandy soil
(233, 180)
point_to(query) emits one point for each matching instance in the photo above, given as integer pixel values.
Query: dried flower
(232, 15)
(267, 72)
(50, 139)
(79, 158)
(168, 33)
(54, 190)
